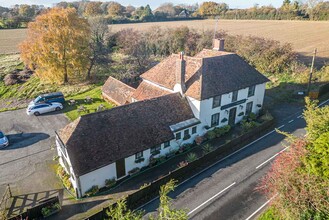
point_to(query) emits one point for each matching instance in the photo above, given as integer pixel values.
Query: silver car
(39, 109)
(3, 140)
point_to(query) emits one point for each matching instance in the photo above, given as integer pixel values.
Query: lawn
(72, 111)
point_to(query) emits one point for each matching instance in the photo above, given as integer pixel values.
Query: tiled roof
(164, 74)
(147, 91)
(208, 74)
(98, 139)
(117, 91)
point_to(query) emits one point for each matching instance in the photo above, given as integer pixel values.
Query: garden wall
(144, 195)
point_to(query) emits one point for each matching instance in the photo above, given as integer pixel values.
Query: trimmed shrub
(92, 191)
(109, 182)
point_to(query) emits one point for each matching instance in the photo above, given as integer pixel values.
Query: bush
(266, 117)
(92, 191)
(67, 183)
(65, 177)
(252, 116)
(109, 182)
(60, 171)
(222, 130)
(207, 148)
(211, 134)
(191, 157)
(247, 126)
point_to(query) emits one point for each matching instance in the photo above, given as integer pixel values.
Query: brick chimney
(219, 44)
(180, 73)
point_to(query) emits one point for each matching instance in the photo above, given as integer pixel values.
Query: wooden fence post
(9, 191)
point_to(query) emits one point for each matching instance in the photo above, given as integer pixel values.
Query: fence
(144, 195)
(5, 202)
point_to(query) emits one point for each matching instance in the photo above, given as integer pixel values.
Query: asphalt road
(226, 190)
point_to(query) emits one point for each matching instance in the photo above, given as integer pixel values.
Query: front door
(231, 119)
(121, 168)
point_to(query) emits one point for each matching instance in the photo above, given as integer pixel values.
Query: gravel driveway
(27, 163)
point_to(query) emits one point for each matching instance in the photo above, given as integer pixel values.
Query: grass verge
(269, 214)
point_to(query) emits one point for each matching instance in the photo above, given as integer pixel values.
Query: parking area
(27, 163)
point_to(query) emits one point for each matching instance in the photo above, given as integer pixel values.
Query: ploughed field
(303, 35)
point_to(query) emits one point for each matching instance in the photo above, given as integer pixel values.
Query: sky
(154, 4)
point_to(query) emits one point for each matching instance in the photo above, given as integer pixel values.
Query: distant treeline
(19, 15)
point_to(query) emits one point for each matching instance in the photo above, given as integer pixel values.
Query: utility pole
(311, 72)
(216, 26)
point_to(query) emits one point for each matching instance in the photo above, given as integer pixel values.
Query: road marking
(212, 165)
(271, 158)
(324, 102)
(280, 127)
(261, 207)
(211, 198)
(300, 116)
(290, 121)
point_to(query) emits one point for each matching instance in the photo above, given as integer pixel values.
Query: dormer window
(216, 101)
(251, 91)
(235, 96)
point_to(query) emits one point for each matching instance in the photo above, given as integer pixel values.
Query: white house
(178, 99)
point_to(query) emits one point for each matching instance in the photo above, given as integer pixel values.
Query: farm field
(303, 35)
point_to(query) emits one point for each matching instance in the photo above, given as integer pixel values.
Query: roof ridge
(120, 82)
(129, 104)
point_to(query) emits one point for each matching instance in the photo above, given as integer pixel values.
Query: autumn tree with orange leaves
(56, 46)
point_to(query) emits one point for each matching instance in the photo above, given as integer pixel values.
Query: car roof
(51, 94)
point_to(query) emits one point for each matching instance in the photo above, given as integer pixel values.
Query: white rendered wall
(62, 157)
(206, 109)
(97, 177)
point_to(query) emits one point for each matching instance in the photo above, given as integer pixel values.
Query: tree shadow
(21, 140)
(285, 98)
(307, 60)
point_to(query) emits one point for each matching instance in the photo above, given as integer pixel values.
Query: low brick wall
(144, 195)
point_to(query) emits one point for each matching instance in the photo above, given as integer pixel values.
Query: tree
(168, 9)
(57, 45)
(209, 9)
(165, 211)
(93, 9)
(299, 177)
(99, 51)
(26, 11)
(115, 9)
(121, 212)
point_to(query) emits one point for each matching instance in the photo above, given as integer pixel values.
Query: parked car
(50, 97)
(43, 108)
(4, 142)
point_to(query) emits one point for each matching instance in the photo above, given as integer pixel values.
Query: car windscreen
(1, 135)
(37, 99)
